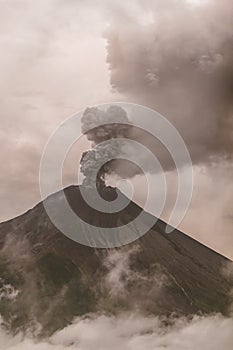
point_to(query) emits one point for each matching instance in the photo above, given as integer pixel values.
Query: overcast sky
(58, 57)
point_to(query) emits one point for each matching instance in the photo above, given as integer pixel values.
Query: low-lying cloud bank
(128, 330)
(132, 332)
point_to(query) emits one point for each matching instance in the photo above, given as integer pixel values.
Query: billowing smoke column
(99, 126)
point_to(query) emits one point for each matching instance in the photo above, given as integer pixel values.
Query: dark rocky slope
(55, 279)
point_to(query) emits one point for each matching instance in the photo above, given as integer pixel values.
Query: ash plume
(99, 126)
(122, 158)
(181, 66)
(93, 117)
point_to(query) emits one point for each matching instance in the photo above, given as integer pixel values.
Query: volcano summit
(51, 279)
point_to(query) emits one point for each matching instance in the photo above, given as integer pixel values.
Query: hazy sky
(58, 57)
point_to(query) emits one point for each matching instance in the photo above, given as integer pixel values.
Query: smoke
(119, 145)
(99, 126)
(181, 65)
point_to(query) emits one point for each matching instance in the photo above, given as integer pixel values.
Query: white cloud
(133, 332)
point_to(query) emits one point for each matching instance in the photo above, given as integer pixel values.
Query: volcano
(48, 279)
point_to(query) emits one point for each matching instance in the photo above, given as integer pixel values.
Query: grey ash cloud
(102, 125)
(180, 62)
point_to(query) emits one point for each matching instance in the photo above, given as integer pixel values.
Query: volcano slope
(48, 279)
